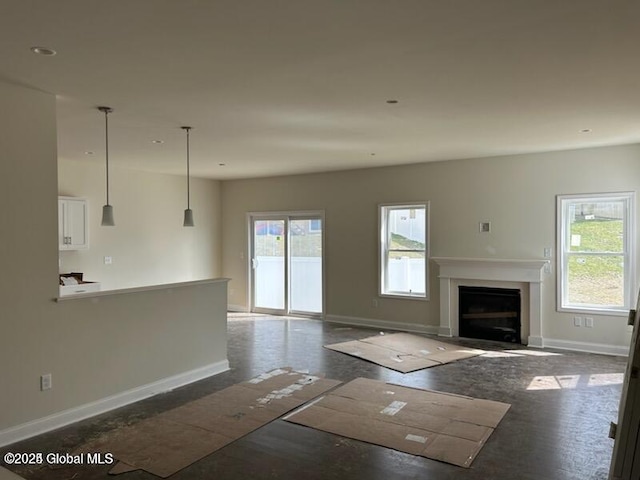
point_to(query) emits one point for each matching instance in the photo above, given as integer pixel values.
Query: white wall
(148, 244)
(93, 348)
(517, 194)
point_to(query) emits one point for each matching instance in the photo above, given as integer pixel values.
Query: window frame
(383, 251)
(628, 253)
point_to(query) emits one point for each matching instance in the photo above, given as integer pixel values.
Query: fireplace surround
(524, 275)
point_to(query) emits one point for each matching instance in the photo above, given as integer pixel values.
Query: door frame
(286, 216)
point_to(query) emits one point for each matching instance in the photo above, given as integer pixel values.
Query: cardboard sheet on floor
(173, 440)
(404, 352)
(441, 426)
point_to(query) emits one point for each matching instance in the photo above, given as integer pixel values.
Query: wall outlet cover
(45, 382)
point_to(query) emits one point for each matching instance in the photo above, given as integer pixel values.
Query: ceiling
(276, 87)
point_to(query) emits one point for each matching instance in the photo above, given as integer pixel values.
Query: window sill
(595, 311)
(403, 297)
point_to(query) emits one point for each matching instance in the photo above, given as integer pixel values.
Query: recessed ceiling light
(47, 52)
(88, 152)
(392, 101)
(157, 141)
(585, 130)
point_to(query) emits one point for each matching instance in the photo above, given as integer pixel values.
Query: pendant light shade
(107, 216)
(188, 218)
(107, 209)
(188, 213)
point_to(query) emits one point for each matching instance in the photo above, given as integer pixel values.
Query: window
(403, 250)
(315, 226)
(595, 235)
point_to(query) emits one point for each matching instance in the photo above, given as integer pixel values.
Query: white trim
(535, 341)
(383, 248)
(628, 253)
(287, 216)
(383, 324)
(150, 288)
(499, 269)
(523, 274)
(237, 308)
(66, 417)
(601, 348)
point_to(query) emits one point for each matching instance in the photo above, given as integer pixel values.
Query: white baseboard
(66, 417)
(383, 324)
(601, 348)
(237, 308)
(445, 332)
(537, 342)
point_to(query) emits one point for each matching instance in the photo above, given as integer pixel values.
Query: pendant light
(107, 210)
(188, 213)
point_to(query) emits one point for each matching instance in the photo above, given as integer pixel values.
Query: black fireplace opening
(489, 313)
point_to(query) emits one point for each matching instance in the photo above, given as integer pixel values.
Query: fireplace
(489, 313)
(523, 275)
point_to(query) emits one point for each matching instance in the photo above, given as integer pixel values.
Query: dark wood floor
(556, 429)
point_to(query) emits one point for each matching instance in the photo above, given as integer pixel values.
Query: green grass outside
(597, 280)
(400, 242)
(598, 235)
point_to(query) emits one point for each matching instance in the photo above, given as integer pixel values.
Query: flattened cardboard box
(442, 426)
(173, 440)
(404, 352)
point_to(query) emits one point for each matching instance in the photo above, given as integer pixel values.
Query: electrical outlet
(108, 260)
(577, 321)
(46, 382)
(588, 322)
(374, 303)
(547, 267)
(547, 252)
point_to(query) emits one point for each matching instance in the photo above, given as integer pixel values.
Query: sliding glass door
(287, 264)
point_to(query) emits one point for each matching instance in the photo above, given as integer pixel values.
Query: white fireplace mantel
(524, 274)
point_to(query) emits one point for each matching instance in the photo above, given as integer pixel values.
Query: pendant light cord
(188, 129)
(188, 187)
(106, 111)
(106, 149)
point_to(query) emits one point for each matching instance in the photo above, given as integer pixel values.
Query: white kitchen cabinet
(73, 223)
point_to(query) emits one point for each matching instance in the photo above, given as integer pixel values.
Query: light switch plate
(46, 382)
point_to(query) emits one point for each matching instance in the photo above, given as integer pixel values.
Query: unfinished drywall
(517, 194)
(94, 348)
(148, 245)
